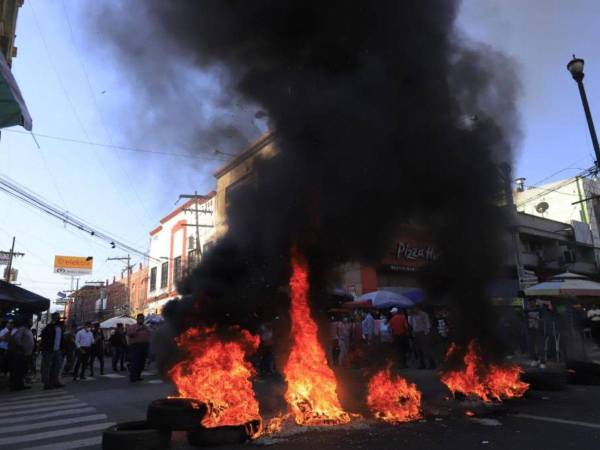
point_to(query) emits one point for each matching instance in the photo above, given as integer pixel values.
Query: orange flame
(486, 381)
(393, 399)
(312, 387)
(218, 375)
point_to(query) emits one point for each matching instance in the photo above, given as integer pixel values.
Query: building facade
(139, 291)
(236, 173)
(573, 201)
(176, 246)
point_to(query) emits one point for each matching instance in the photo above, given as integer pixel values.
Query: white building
(575, 201)
(174, 248)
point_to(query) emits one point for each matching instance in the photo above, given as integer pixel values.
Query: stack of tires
(173, 414)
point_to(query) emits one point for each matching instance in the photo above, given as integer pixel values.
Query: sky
(76, 89)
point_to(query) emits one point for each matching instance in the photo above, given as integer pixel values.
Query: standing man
(368, 328)
(118, 346)
(52, 346)
(69, 349)
(97, 351)
(83, 341)
(20, 348)
(421, 326)
(399, 327)
(5, 335)
(139, 343)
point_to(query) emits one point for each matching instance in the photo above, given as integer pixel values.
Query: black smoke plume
(383, 115)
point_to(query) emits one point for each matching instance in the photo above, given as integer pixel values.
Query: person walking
(97, 350)
(139, 343)
(7, 331)
(118, 347)
(20, 348)
(343, 338)
(69, 348)
(420, 326)
(83, 342)
(399, 328)
(52, 346)
(368, 328)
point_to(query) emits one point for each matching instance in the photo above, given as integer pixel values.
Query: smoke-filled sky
(75, 89)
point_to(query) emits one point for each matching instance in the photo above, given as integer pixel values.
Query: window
(177, 268)
(153, 279)
(164, 275)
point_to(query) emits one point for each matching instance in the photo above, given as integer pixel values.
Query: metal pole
(198, 246)
(128, 283)
(590, 122)
(10, 258)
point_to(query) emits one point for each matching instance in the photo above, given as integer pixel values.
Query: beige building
(236, 173)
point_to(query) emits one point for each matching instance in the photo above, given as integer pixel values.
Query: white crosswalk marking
(53, 423)
(81, 443)
(50, 421)
(53, 434)
(71, 404)
(36, 401)
(112, 375)
(40, 403)
(42, 394)
(48, 415)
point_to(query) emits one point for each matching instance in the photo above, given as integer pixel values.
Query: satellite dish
(542, 207)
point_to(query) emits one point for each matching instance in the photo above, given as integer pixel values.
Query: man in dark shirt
(118, 346)
(97, 351)
(52, 346)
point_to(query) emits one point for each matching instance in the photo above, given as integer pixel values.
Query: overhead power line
(117, 147)
(13, 189)
(585, 173)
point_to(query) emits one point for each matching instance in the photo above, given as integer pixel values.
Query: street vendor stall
(112, 322)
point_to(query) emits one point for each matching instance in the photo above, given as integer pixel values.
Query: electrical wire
(116, 147)
(13, 189)
(585, 173)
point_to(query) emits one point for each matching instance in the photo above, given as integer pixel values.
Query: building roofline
(247, 153)
(187, 204)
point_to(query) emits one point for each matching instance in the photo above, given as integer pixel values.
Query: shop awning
(12, 296)
(13, 110)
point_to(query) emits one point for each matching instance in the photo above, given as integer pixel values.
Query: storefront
(410, 252)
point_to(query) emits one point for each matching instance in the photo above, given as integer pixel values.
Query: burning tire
(176, 414)
(135, 436)
(225, 435)
(545, 380)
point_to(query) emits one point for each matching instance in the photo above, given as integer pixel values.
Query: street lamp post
(575, 66)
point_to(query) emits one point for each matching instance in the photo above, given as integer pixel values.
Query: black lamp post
(575, 66)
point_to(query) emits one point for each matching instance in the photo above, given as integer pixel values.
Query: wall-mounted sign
(410, 252)
(73, 265)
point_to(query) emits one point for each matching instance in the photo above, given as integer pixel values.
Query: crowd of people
(70, 350)
(412, 337)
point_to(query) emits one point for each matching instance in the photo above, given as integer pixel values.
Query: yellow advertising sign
(73, 265)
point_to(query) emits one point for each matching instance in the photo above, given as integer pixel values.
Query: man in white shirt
(5, 335)
(368, 327)
(83, 343)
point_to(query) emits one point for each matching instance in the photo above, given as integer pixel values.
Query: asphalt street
(74, 418)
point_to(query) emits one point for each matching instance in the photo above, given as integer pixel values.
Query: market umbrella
(567, 284)
(387, 299)
(13, 110)
(154, 318)
(112, 322)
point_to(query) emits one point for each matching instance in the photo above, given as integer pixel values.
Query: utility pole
(197, 225)
(11, 255)
(128, 259)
